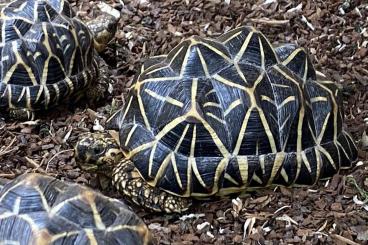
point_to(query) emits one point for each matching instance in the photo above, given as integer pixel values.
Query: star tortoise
(48, 56)
(219, 116)
(37, 209)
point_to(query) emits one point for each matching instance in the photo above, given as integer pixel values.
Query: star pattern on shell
(215, 116)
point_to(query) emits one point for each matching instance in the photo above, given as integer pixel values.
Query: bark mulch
(336, 34)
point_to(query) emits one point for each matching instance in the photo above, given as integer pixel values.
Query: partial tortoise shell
(37, 209)
(46, 54)
(216, 116)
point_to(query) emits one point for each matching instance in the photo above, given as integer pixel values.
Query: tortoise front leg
(21, 114)
(129, 183)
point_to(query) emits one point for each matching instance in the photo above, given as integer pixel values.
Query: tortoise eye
(98, 149)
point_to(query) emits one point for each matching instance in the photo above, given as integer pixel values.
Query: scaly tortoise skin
(220, 116)
(37, 209)
(48, 55)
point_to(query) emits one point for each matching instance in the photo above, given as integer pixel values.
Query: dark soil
(336, 34)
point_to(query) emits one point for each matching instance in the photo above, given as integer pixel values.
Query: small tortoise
(37, 209)
(49, 55)
(220, 116)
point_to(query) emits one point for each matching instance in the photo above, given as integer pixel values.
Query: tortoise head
(104, 26)
(98, 153)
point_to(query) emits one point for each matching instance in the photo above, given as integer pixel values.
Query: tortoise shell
(36, 209)
(46, 54)
(216, 116)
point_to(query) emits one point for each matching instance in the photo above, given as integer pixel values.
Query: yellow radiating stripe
(193, 142)
(91, 237)
(126, 109)
(21, 94)
(215, 138)
(324, 126)
(280, 85)
(197, 174)
(267, 129)
(262, 162)
(161, 170)
(21, 7)
(262, 53)
(57, 92)
(291, 56)
(70, 84)
(319, 163)
(228, 59)
(143, 112)
(305, 70)
(327, 154)
(210, 92)
(227, 82)
(211, 104)
(285, 101)
(284, 175)
(188, 191)
(219, 171)
(318, 99)
(215, 117)
(45, 204)
(157, 79)
(96, 215)
(9, 88)
(139, 149)
(312, 133)
(58, 236)
(243, 47)
(203, 62)
(243, 168)
(277, 164)
(150, 161)
(174, 56)
(241, 74)
(334, 106)
(175, 167)
(47, 95)
(28, 98)
(242, 132)
(268, 99)
(170, 126)
(270, 45)
(16, 205)
(232, 106)
(155, 69)
(231, 179)
(167, 98)
(232, 37)
(257, 179)
(185, 61)
(194, 92)
(306, 162)
(130, 134)
(181, 138)
(284, 123)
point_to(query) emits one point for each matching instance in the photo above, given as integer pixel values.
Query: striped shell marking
(216, 116)
(36, 209)
(46, 54)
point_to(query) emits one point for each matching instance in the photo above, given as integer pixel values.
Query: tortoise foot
(21, 114)
(129, 183)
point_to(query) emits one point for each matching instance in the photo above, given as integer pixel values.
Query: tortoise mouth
(89, 167)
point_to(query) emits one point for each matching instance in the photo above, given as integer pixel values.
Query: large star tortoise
(36, 209)
(218, 116)
(47, 55)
